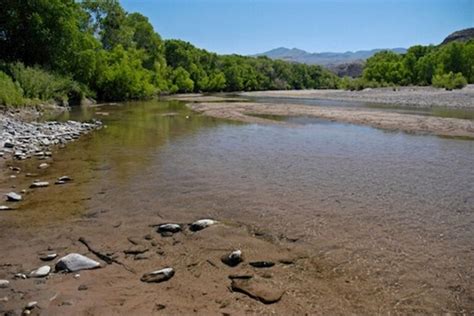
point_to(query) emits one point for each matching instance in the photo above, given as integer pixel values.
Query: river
(393, 210)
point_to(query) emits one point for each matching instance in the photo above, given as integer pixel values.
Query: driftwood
(107, 259)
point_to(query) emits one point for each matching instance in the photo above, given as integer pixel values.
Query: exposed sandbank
(242, 111)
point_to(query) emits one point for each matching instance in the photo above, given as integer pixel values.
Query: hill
(324, 58)
(459, 36)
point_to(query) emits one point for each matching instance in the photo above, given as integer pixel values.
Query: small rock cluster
(23, 140)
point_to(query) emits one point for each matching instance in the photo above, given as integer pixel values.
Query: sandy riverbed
(330, 259)
(376, 118)
(405, 96)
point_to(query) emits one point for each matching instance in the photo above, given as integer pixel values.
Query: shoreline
(450, 127)
(417, 97)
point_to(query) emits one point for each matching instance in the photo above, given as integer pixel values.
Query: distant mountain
(462, 35)
(325, 58)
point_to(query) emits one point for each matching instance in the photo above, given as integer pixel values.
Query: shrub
(10, 93)
(449, 81)
(37, 83)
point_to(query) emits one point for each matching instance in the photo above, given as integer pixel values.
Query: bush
(39, 84)
(449, 81)
(348, 83)
(10, 93)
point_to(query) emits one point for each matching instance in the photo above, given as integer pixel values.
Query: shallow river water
(394, 208)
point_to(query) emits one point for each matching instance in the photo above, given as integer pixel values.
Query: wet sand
(356, 220)
(245, 112)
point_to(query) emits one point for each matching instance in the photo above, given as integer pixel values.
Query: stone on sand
(40, 272)
(75, 262)
(158, 276)
(201, 224)
(261, 290)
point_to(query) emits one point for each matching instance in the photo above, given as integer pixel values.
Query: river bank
(423, 97)
(249, 112)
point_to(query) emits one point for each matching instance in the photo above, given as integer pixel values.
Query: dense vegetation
(65, 50)
(448, 66)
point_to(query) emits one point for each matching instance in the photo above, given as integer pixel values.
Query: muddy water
(394, 211)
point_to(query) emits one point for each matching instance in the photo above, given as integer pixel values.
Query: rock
(136, 249)
(60, 182)
(21, 276)
(14, 197)
(31, 305)
(262, 264)
(16, 169)
(5, 208)
(168, 229)
(142, 256)
(40, 272)
(240, 276)
(49, 257)
(158, 276)
(64, 179)
(8, 144)
(232, 259)
(77, 276)
(75, 262)
(44, 165)
(4, 284)
(260, 290)
(39, 184)
(201, 224)
(82, 287)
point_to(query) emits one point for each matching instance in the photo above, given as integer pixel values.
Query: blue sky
(254, 26)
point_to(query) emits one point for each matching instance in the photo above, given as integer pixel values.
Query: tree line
(65, 50)
(95, 48)
(448, 66)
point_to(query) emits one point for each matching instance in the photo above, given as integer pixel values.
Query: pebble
(49, 257)
(40, 272)
(168, 229)
(158, 276)
(201, 224)
(75, 262)
(4, 284)
(263, 291)
(31, 305)
(44, 165)
(23, 140)
(232, 259)
(39, 184)
(262, 264)
(14, 197)
(64, 178)
(136, 249)
(82, 287)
